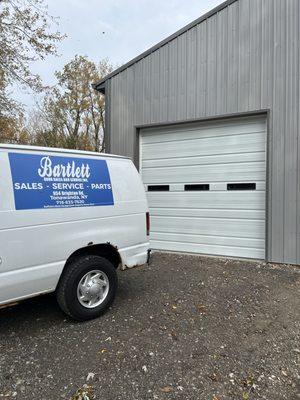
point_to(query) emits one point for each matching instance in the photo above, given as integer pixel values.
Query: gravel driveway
(187, 327)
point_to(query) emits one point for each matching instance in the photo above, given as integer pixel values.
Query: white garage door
(206, 186)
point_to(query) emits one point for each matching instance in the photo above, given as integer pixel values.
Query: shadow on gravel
(34, 312)
(43, 311)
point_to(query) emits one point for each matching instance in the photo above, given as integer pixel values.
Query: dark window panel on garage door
(158, 188)
(196, 187)
(241, 186)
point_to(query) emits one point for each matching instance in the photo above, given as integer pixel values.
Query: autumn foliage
(71, 114)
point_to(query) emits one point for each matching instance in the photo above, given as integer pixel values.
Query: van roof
(56, 150)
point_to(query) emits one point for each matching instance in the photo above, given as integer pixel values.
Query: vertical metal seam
(268, 232)
(248, 56)
(271, 125)
(273, 99)
(298, 155)
(261, 56)
(285, 124)
(239, 58)
(107, 133)
(206, 69)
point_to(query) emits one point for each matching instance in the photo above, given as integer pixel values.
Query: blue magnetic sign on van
(44, 181)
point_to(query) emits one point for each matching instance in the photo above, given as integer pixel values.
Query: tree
(73, 112)
(25, 36)
(13, 130)
(39, 132)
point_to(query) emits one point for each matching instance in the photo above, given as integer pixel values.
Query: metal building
(211, 117)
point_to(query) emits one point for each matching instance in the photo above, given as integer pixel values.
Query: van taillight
(148, 223)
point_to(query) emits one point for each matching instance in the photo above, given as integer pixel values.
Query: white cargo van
(68, 219)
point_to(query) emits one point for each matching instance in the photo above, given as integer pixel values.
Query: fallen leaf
(91, 376)
(166, 389)
(248, 382)
(213, 377)
(173, 336)
(201, 307)
(84, 393)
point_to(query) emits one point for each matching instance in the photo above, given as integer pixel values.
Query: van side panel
(35, 244)
(29, 282)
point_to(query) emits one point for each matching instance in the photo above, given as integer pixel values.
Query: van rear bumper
(134, 255)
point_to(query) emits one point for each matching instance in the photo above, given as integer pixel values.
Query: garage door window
(241, 186)
(196, 187)
(158, 188)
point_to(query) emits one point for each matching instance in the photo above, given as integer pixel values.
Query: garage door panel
(207, 226)
(216, 130)
(208, 240)
(205, 160)
(208, 213)
(209, 146)
(208, 200)
(254, 171)
(215, 219)
(244, 252)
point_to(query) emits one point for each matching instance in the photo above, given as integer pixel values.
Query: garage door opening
(215, 175)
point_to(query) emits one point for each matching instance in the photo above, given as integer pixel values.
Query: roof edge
(100, 85)
(9, 146)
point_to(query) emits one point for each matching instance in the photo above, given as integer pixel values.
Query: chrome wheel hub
(93, 289)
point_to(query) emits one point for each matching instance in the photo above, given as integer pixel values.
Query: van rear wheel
(87, 287)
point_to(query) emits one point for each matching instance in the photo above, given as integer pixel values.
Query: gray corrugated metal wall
(243, 58)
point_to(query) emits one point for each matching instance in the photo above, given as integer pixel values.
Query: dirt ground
(186, 327)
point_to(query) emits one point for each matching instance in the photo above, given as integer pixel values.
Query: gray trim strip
(99, 85)
(268, 226)
(107, 135)
(205, 119)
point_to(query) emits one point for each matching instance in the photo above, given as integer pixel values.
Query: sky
(115, 29)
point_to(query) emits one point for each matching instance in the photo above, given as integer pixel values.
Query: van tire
(67, 290)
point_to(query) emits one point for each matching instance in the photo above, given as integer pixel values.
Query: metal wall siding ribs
(242, 58)
(298, 153)
(278, 142)
(211, 93)
(201, 73)
(291, 130)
